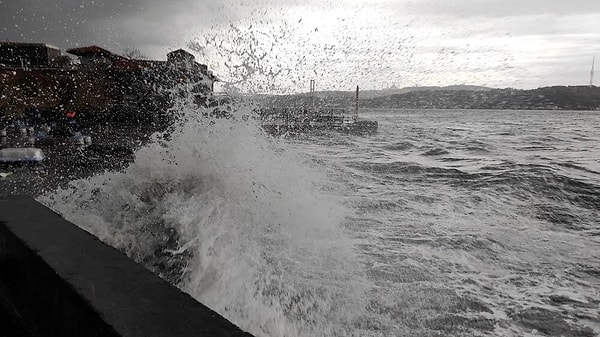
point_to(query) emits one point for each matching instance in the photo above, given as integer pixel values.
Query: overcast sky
(278, 45)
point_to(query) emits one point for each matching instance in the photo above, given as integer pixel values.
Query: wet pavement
(111, 149)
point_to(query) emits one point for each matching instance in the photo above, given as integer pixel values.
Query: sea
(443, 223)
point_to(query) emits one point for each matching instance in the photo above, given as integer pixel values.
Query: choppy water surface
(445, 223)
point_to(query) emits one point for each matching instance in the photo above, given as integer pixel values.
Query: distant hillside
(366, 94)
(333, 98)
(394, 91)
(551, 98)
(455, 97)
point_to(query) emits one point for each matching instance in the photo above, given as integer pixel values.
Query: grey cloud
(398, 40)
(500, 8)
(62, 23)
(112, 24)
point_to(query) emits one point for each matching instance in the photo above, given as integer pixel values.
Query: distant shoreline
(546, 98)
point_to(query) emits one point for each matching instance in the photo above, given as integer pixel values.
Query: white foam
(268, 251)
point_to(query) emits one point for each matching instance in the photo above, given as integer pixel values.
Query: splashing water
(232, 218)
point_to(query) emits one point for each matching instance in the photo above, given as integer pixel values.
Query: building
(138, 88)
(125, 83)
(95, 55)
(180, 65)
(181, 59)
(35, 77)
(28, 55)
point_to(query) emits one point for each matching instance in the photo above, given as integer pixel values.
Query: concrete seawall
(63, 281)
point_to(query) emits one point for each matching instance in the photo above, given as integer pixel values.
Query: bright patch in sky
(280, 45)
(383, 43)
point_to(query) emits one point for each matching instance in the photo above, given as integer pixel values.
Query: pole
(312, 93)
(356, 109)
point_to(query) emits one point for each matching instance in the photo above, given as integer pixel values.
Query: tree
(134, 53)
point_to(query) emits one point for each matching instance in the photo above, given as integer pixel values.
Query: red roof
(92, 50)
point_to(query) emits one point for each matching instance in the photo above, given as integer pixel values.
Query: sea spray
(234, 218)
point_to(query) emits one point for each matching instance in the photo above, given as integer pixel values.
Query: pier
(307, 116)
(281, 120)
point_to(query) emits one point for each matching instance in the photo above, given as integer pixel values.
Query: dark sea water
(444, 223)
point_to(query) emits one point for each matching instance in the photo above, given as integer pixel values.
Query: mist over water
(445, 223)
